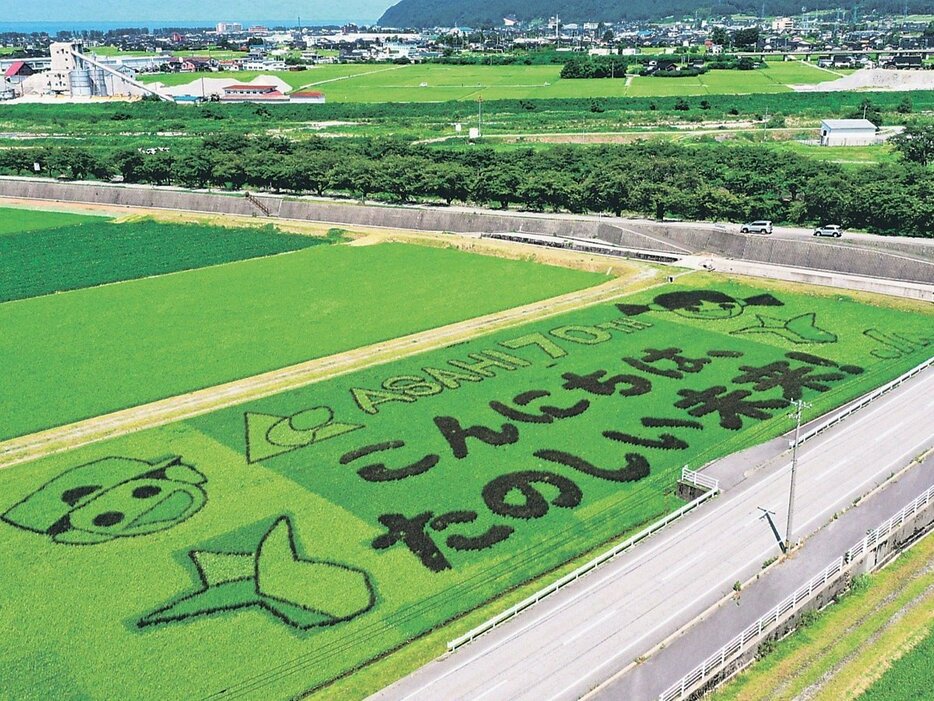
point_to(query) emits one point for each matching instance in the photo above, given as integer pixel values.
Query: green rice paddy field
(69, 252)
(910, 677)
(232, 310)
(439, 82)
(263, 550)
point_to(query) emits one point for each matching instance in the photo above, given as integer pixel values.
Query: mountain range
(485, 13)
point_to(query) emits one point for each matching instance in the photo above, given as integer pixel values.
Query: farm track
(124, 421)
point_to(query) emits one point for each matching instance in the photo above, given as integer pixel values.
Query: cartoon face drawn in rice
(700, 304)
(111, 498)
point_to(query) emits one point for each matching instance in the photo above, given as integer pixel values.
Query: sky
(211, 11)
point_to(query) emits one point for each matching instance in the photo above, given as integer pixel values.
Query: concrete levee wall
(894, 288)
(671, 238)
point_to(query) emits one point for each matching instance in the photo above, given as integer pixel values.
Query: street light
(799, 405)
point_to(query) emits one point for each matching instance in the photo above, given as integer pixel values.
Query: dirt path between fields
(185, 406)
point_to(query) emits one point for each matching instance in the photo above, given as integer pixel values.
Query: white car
(762, 226)
(834, 230)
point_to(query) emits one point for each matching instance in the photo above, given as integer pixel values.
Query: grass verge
(851, 644)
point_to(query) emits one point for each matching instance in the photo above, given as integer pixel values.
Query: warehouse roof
(848, 124)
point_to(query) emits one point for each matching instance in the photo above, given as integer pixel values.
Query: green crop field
(86, 352)
(117, 51)
(441, 82)
(263, 550)
(329, 75)
(92, 251)
(911, 677)
(15, 221)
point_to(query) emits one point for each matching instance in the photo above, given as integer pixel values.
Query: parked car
(834, 230)
(762, 226)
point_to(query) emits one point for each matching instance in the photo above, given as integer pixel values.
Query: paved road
(591, 630)
(681, 655)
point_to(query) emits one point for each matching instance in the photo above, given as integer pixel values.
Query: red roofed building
(253, 93)
(309, 96)
(18, 72)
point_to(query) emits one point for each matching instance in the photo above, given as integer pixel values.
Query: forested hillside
(478, 13)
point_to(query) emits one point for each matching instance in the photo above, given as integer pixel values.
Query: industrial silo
(80, 82)
(98, 81)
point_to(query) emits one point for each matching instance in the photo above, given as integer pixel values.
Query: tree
(746, 38)
(916, 143)
(867, 110)
(229, 172)
(449, 181)
(129, 164)
(313, 171)
(193, 169)
(400, 176)
(719, 36)
(354, 175)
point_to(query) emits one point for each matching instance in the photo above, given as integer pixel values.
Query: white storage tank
(80, 83)
(98, 81)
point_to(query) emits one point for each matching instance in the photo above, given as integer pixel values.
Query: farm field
(873, 645)
(14, 221)
(265, 549)
(911, 677)
(441, 82)
(86, 352)
(55, 252)
(297, 79)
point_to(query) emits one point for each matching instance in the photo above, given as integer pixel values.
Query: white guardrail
(697, 479)
(859, 404)
(882, 531)
(733, 649)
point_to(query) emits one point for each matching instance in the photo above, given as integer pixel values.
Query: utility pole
(799, 405)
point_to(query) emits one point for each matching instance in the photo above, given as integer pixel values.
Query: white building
(783, 24)
(228, 28)
(847, 132)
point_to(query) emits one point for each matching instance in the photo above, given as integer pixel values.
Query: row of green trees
(705, 182)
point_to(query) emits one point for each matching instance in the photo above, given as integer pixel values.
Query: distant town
(839, 39)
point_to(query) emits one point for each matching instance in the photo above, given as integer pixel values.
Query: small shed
(308, 96)
(847, 132)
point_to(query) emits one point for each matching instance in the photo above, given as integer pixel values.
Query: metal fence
(882, 531)
(714, 664)
(701, 480)
(872, 396)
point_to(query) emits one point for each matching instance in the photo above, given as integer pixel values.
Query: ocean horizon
(55, 26)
